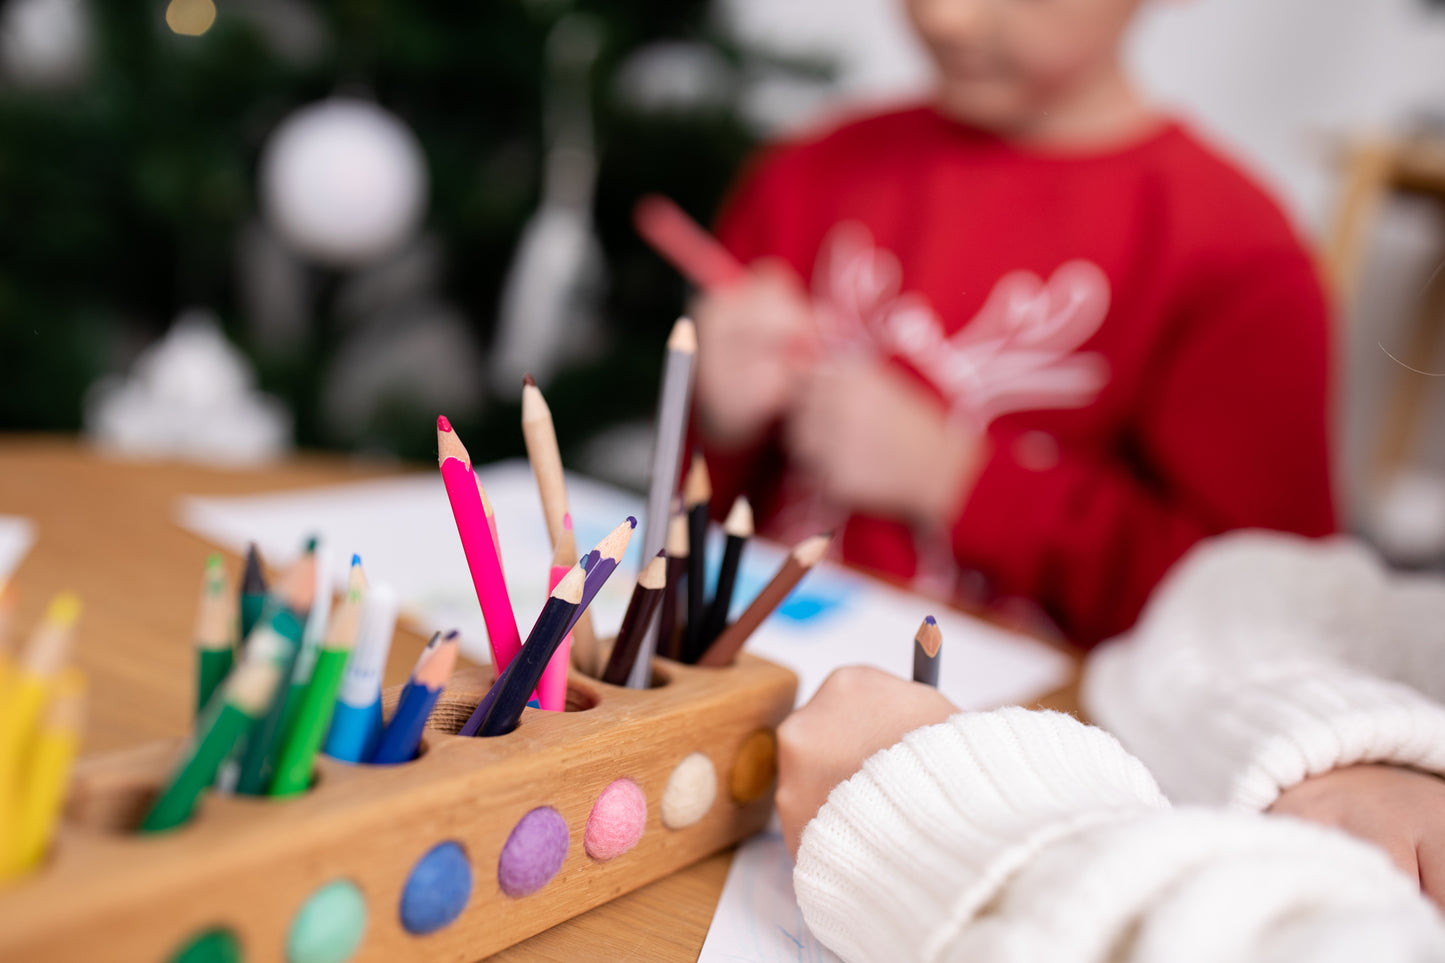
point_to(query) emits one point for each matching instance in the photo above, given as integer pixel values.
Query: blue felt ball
(437, 890)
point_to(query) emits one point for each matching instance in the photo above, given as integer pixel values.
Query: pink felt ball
(617, 820)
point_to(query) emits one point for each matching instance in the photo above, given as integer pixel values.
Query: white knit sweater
(1020, 836)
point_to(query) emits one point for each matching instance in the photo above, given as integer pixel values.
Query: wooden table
(106, 530)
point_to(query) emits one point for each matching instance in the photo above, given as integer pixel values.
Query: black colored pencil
(501, 708)
(696, 494)
(670, 629)
(927, 645)
(253, 593)
(640, 609)
(739, 528)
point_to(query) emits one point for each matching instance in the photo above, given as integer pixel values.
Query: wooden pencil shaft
(482, 560)
(722, 600)
(635, 624)
(725, 649)
(540, 437)
(669, 638)
(696, 580)
(212, 667)
(925, 666)
(402, 735)
(298, 751)
(514, 687)
(178, 799)
(282, 644)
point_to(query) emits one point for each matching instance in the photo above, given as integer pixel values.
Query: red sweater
(1141, 333)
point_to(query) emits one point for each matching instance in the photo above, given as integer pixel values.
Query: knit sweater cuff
(909, 849)
(1256, 732)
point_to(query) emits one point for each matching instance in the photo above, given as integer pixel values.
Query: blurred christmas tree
(129, 169)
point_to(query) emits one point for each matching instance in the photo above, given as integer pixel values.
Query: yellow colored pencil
(48, 773)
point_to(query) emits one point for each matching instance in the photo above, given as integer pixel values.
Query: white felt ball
(343, 182)
(45, 43)
(690, 791)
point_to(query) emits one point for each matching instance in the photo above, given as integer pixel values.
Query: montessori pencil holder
(475, 845)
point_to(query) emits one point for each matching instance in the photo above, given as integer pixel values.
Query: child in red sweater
(1032, 336)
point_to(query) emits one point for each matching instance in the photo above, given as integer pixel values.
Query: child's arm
(1267, 666)
(1015, 836)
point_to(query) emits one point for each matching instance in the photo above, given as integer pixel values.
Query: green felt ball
(212, 946)
(329, 926)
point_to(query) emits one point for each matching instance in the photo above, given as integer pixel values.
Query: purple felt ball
(533, 852)
(617, 820)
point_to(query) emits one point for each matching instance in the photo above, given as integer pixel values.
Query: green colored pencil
(313, 716)
(214, 648)
(259, 759)
(240, 700)
(253, 593)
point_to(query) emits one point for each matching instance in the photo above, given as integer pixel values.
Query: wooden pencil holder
(470, 848)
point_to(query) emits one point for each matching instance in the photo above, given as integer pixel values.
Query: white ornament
(45, 43)
(343, 182)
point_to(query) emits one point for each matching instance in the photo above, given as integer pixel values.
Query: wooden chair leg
(1418, 374)
(1367, 175)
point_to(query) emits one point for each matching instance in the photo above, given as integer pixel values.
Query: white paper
(16, 536)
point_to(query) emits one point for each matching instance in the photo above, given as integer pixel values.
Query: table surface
(106, 530)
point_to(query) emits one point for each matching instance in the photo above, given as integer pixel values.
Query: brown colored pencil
(540, 435)
(696, 496)
(739, 528)
(801, 559)
(640, 609)
(926, 646)
(670, 624)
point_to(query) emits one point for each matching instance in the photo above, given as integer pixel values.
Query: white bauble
(343, 182)
(45, 43)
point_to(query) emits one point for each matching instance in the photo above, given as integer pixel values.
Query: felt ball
(690, 791)
(617, 820)
(343, 181)
(533, 853)
(329, 926)
(212, 946)
(437, 890)
(754, 768)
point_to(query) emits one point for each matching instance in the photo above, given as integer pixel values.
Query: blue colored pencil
(356, 723)
(402, 734)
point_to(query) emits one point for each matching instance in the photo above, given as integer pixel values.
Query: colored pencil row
(304, 679)
(42, 701)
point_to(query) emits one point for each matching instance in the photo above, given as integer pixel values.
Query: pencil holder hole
(581, 697)
(114, 794)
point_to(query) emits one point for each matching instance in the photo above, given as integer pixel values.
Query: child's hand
(855, 713)
(1400, 810)
(877, 441)
(751, 336)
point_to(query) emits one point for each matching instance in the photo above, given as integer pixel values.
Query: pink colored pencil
(682, 241)
(552, 689)
(483, 559)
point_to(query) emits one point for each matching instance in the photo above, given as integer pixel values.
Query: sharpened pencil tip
(632, 521)
(930, 620)
(451, 635)
(567, 521)
(528, 380)
(355, 559)
(443, 424)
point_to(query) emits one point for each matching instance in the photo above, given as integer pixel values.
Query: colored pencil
(540, 435)
(46, 654)
(253, 592)
(7, 629)
(303, 737)
(465, 494)
(214, 622)
(317, 619)
(646, 597)
(238, 704)
(552, 689)
(670, 628)
(501, 708)
(403, 733)
(51, 759)
(602, 561)
(696, 496)
(674, 403)
(356, 722)
(696, 254)
(926, 646)
(800, 560)
(739, 528)
(279, 638)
